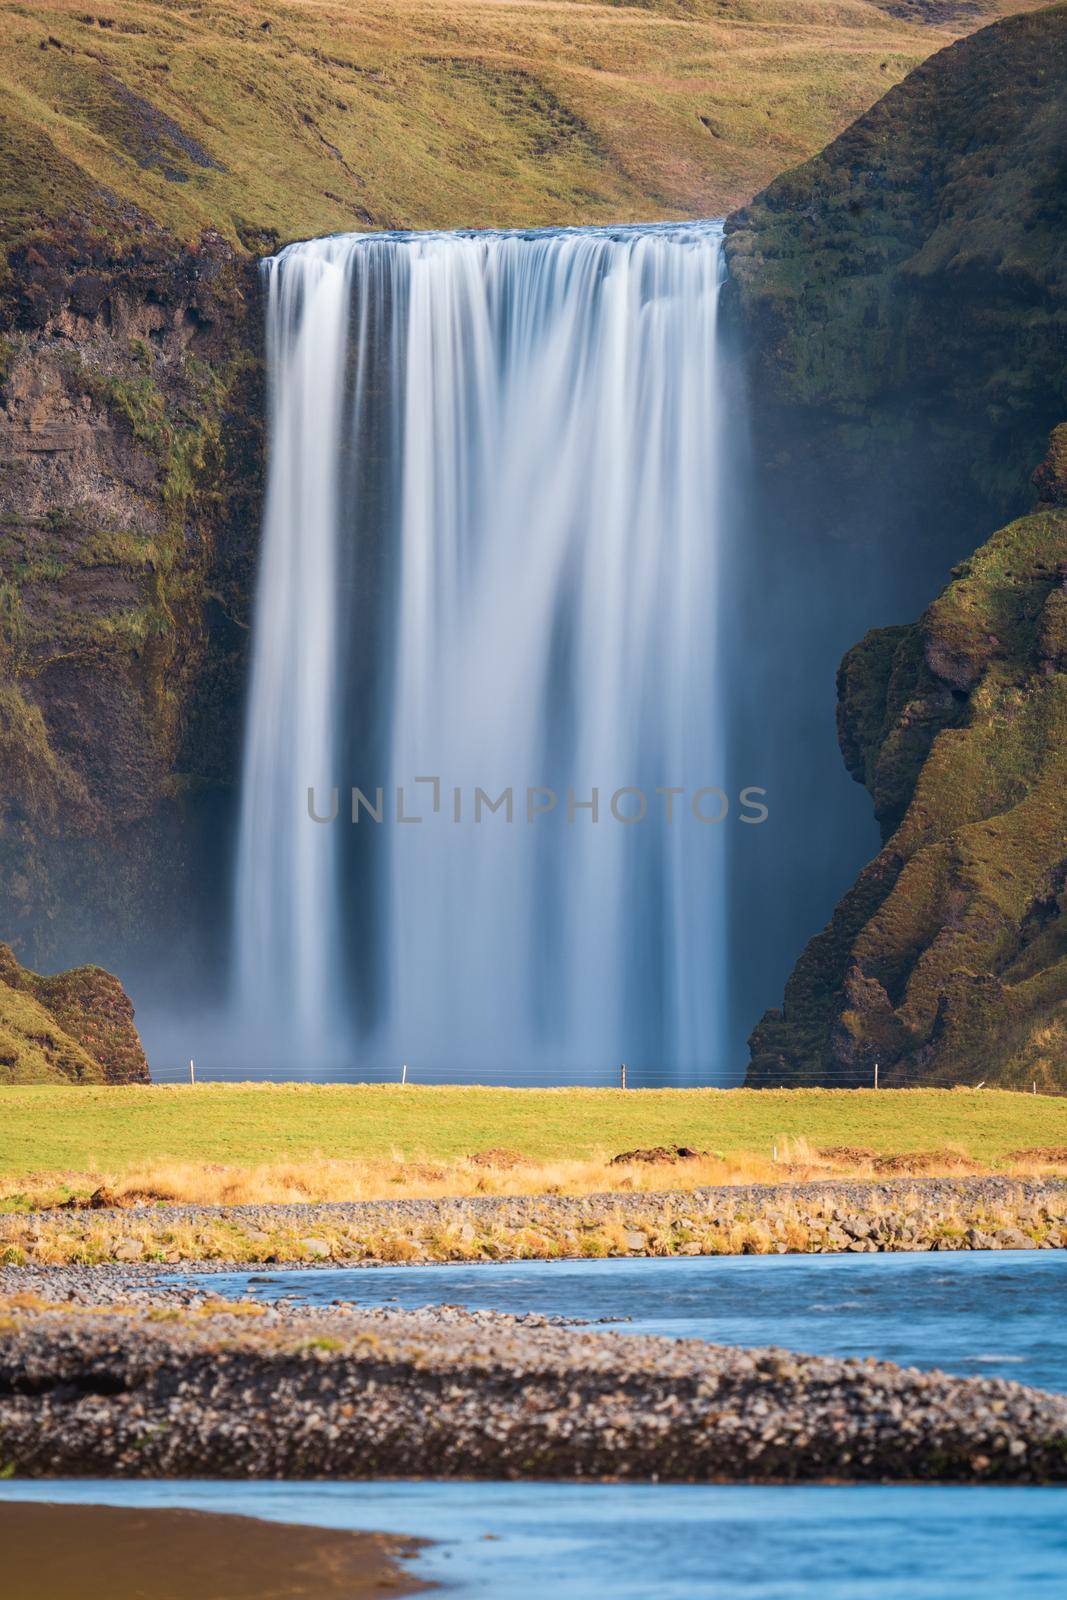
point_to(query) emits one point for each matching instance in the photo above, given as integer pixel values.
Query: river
(996, 1313)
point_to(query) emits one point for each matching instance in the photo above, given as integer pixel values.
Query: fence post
(192, 1072)
(622, 1076)
(876, 1074)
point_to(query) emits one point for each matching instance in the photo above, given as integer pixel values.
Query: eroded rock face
(76, 1026)
(903, 294)
(130, 416)
(947, 961)
(900, 302)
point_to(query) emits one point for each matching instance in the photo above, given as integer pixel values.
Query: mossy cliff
(947, 961)
(74, 1027)
(901, 308)
(129, 469)
(904, 294)
(150, 152)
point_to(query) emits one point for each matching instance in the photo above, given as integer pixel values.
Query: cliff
(947, 961)
(76, 1026)
(151, 152)
(129, 468)
(904, 294)
(900, 303)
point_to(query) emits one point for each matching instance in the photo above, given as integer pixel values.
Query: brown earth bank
(976, 1213)
(218, 1390)
(68, 1552)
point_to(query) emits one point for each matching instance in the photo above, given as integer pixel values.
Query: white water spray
(519, 436)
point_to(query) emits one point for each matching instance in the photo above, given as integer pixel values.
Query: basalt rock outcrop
(72, 1027)
(947, 960)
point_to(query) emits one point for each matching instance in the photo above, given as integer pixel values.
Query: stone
(1013, 1239)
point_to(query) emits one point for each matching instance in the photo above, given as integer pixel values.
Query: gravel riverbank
(186, 1387)
(981, 1213)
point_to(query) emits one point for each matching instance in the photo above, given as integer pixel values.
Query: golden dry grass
(319, 1178)
(311, 116)
(660, 1226)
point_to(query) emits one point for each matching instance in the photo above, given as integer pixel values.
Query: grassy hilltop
(305, 118)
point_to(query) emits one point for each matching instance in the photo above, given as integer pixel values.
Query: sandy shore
(172, 1389)
(69, 1552)
(973, 1213)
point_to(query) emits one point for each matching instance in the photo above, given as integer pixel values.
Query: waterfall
(487, 599)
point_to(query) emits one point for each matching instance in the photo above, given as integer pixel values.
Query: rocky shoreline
(971, 1213)
(181, 1386)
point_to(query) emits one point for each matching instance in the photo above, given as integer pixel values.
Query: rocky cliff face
(129, 471)
(901, 305)
(904, 294)
(947, 961)
(74, 1027)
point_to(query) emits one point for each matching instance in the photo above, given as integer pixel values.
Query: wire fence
(523, 1077)
(623, 1076)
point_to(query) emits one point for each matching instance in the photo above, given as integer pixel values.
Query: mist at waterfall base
(509, 541)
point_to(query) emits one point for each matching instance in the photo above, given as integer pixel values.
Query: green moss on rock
(74, 1027)
(947, 962)
(130, 429)
(905, 292)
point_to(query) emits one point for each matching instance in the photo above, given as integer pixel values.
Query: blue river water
(999, 1313)
(992, 1313)
(521, 1541)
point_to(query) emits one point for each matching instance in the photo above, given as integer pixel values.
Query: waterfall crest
(490, 556)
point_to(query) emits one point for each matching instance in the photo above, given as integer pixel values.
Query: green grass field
(46, 1129)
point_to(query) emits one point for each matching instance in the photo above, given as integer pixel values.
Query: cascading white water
(287, 889)
(518, 437)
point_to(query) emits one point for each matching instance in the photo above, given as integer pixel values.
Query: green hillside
(305, 118)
